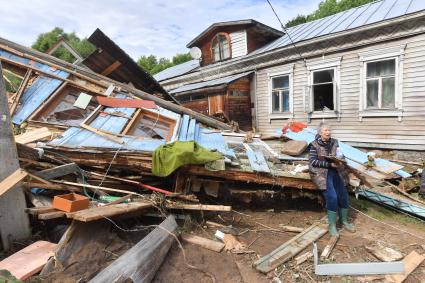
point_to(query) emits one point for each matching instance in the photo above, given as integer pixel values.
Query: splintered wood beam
(253, 177)
(12, 180)
(111, 68)
(20, 91)
(102, 133)
(329, 247)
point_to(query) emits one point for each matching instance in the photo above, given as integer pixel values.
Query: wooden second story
(227, 40)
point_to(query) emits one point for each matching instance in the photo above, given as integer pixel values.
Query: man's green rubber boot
(332, 223)
(344, 220)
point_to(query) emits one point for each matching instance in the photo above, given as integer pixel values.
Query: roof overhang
(208, 85)
(241, 23)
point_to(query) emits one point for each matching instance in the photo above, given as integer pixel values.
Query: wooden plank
(204, 207)
(14, 222)
(33, 135)
(28, 261)
(12, 180)
(253, 177)
(191, 130)
(58, 171)
(39, 210)
(290, 228)
(203, 242)
(256, 160)
(125, 102)
(304, 257)
(111, 68)
(102, 133)
(141, 262)
(411, 262)
(290, 248)
(184, 127)
(329, 247)
(21, 89)
(101, 212)
(51, 215)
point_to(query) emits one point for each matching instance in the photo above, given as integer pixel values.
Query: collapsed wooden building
(96, 135)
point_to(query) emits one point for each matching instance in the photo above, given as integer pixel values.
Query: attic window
(221, 47)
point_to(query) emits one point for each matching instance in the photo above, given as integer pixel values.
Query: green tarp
(167, 158)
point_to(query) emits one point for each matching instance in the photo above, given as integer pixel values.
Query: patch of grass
(382, 213)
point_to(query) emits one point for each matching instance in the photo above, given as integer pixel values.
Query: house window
(220, 47)
(323, 90)
(280, 94)
(380, 84)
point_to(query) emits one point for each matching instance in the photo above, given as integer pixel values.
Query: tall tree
(327, 8)
(46, 40)
(154, 65)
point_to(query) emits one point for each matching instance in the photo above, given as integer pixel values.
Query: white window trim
(396, 53)
(312, 67)
(287, 115)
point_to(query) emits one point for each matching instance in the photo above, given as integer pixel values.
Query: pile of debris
(92, 151)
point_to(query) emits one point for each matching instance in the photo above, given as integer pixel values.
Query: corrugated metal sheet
(189, 130)
(360, 16)
(210, 83)
(177, 70)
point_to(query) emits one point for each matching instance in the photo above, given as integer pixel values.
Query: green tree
(327, 8)
(154, 65)
(46, 40)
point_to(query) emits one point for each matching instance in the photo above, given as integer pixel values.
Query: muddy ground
(229, 267)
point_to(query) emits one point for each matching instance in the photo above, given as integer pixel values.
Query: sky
(162, 28)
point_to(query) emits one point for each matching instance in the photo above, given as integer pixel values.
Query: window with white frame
(280, 94)
(381, 84)
(323, 90)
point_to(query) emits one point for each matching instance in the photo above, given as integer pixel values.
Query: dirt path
(228, 267)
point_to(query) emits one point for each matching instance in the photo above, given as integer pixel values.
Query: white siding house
(361, 70)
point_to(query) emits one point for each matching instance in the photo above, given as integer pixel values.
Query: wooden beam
(329, 247)
(14, 222)
(20, 91)
(203, 242)
(253, 177)
(33, 135)
(141, 262)
(58, 171)
(101, 212)
(111, 68)
(204, 207)
(12, 180)
(51, 215)
(102, 133)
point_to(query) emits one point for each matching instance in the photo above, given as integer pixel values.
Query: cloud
(162, 28)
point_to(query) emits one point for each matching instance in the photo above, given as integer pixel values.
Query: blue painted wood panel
(184, 127)
(191, 130)
(256, 160)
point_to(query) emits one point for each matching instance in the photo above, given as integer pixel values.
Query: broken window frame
(57, 95)
(335, 64)
(334, 89)
(132, 122)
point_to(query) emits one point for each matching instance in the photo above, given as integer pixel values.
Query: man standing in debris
(329, 177)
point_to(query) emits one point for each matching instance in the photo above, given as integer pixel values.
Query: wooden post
(14, 223)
